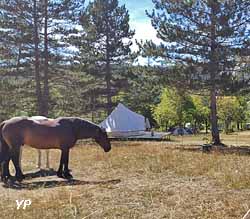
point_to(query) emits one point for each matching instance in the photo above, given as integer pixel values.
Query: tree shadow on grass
(238, 150)
(13, 184)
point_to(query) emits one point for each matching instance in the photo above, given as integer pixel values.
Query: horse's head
(102, 139)
(84, 129)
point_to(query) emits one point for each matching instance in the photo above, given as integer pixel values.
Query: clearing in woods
(136, 180)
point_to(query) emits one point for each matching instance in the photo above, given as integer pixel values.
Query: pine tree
(204, 39)
(104, 48)
(15, 34)
(29, 46)
(59, 19)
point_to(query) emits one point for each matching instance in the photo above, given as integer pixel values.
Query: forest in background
(69, 58)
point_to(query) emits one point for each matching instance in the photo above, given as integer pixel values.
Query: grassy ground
(234, 139)
(136, 180)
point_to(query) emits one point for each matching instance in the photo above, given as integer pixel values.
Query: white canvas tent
(124, 122)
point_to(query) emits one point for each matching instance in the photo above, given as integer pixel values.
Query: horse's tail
(2, 143)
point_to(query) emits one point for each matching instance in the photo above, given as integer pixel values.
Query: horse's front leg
(60, 169)
(63, 170)
(66, 171)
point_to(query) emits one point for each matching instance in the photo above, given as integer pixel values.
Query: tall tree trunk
(108, 83)
(108, 78)
(37, 70)
(93, 108)
(213, 68)
(214, 119)
(46, 62)
(195, 127)
(206, 124)
(227, 126)
(19, 57)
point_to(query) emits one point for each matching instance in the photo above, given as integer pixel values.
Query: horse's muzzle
(107, 149)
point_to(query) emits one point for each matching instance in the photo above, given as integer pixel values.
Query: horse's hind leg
(4, 177)
(5, 173)
(15, 159)
(6, 168)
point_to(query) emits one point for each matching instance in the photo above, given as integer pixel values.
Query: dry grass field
(136, 180)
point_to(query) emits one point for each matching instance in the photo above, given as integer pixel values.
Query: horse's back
(39, 133)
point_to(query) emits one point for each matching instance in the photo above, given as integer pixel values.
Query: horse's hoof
(5, 179)
(20, 178)
(60, 174)
(67, 175)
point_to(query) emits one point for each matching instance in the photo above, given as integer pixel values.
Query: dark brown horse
(61, 133)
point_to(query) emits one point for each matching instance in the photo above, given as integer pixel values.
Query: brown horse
(61, 133)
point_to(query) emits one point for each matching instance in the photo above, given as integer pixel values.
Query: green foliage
(201, 111)
(232, 109)
(16, 98)
(178, 108)
(174, 109)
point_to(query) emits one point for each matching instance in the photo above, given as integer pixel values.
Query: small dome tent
(180, 131)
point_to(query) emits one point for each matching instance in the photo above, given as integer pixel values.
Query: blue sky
(137, 9)
(139, 21)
